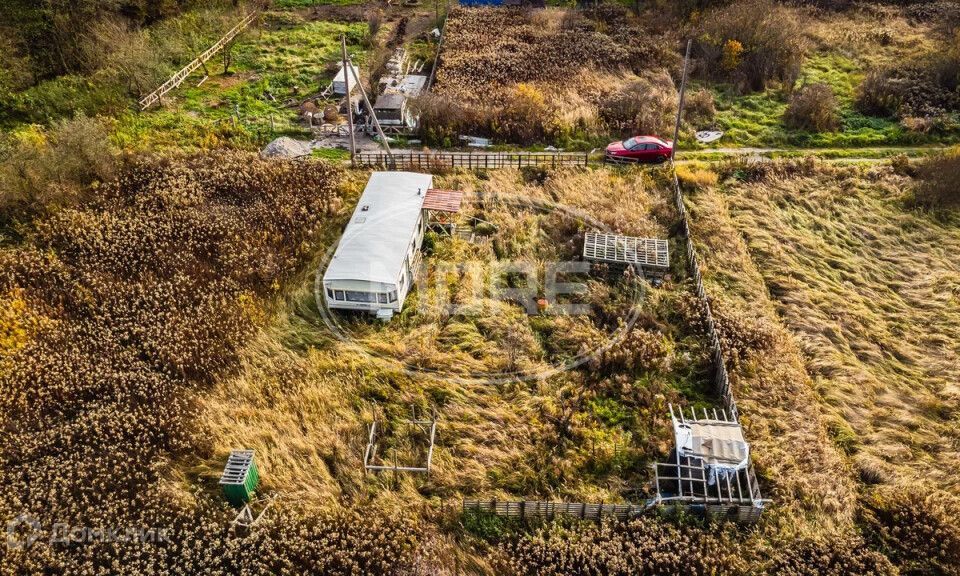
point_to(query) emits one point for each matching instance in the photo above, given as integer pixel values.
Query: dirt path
(864, 154)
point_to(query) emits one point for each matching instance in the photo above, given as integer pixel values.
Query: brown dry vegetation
(579, 74)
(785, 424)
(871, 292)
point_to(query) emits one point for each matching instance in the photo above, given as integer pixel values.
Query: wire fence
(530, 509)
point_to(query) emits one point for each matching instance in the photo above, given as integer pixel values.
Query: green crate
(240, 477)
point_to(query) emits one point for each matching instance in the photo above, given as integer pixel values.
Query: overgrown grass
(251, 104)
(867, 289)
(845, 46)
(589, 434)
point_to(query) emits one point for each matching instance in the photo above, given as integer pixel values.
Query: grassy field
(872, 292)
(286, 62)
(867, 290)
(842, 47)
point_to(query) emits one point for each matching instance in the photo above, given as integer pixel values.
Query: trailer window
(393, 296)
(357, 296)
(329, 292)
(382, 297)
(339, 294)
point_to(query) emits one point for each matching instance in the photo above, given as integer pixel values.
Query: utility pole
(683, 86)
(346, 80)
(376, 123)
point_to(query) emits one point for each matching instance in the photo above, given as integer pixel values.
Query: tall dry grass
(870, 289)
(549, 75)
(786, 425)
(302, 400)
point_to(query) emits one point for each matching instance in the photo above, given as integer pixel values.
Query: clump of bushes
(532, 76)
(643, 546)
(47, 169)
(836, 556)
(939, 181)
(644, 106)
(813, 107)
(918, 527)
(752, 44)
(699, 108)
(922, 93)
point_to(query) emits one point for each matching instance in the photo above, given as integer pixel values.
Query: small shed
(392, 106)
(340, 80)
(374, 265)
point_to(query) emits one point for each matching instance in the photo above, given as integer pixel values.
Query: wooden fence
(182, 74)
(527, 509)
(472, 160)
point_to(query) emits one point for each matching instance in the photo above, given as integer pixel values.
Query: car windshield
(629, 144)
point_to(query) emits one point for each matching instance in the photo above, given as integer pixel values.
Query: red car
(640, 149)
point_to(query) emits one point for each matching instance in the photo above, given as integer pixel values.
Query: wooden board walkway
(525, 509)
(182, 74)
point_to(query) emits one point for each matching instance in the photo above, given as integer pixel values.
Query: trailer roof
(389, 101)
(384, 222)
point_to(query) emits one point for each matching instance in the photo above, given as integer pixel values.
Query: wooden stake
(346, 78)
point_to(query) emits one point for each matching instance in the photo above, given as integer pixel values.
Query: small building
(376, 261)
(392, 106)
(340, 80)
(392, 110)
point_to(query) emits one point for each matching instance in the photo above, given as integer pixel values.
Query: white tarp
(719, 443)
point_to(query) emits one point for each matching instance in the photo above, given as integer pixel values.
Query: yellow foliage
(732, 50)
(696, 176)
(18, 323)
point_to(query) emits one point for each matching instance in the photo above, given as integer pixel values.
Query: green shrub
(483, 524)
(47, 169)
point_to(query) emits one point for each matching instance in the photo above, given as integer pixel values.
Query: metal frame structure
(649, 253)
(428, 427)
(246, 519)
(684, 482)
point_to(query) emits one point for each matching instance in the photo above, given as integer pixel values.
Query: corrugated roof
(384, 222)
(443, 200)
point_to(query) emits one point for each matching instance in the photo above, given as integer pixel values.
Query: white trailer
(373, 267)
